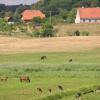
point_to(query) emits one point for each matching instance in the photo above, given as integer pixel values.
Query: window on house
(95, 20)
(90, 20)
(83, 20)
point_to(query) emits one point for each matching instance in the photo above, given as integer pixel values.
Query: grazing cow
(24, 79)
(40, 90)
(70, 60)
(50, 90)
(43, 57)
(78, 95)
(60, 87)
(3, 79)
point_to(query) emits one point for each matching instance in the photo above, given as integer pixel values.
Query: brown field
(66, 29)
(60, 44)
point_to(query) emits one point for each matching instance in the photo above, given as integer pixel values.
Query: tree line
(64, 9)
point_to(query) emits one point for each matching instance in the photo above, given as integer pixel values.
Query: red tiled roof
(30, 14)
(89, 12)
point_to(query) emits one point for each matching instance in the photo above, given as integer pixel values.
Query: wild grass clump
(87, 90)
(58, 96)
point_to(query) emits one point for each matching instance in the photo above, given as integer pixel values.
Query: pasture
(57, 68)
(82, 72)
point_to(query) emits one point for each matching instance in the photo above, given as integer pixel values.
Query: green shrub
(86, 90)
(37, 21)
(85, 33)
(22, 29)
(47, 31)
(36, 33)
(97, 87)
(77, 33)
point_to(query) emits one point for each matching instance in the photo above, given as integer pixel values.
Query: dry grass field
(65, 29)
(58, 44)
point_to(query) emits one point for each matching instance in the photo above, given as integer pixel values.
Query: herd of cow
(22, 79)
(27, 79)
(50, 90)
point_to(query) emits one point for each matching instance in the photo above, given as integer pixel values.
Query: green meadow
(82, 73)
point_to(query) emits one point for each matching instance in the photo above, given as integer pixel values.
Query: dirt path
(9, 44)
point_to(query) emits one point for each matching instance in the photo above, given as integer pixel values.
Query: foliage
(77, 33)
(46, 31)
(37, 21)
(71, 16)
(85, 33)
(22, 28)
(19, 10)
(64, 8)
(3, 25)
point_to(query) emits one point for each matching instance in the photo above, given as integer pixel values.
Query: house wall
(77, 20)
(89, 20)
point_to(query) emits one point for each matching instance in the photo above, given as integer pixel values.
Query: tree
(71, 16)
(37, 21)
(19, 10)
(3, 25)
(47, 31)
(64, 14)
(9, 13)
(2, 10)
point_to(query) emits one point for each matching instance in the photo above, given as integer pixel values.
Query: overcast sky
(15, 2)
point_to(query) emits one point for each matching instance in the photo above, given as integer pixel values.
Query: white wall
(77, 20)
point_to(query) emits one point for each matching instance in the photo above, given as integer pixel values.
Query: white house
(88, 15)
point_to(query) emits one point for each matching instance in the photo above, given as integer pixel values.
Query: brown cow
(24, 79)
(3, 79)
(40, 90)
(70, 60)
(78, 96)
(50, 90)
(60, 87)
(43, 57)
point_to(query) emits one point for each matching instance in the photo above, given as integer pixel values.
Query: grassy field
(83, 72)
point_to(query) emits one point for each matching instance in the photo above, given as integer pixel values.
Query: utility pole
(50, 17)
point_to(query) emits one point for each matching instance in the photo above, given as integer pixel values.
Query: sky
(15, 2)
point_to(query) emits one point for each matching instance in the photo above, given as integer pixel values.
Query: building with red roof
(88, 15)
(28, 15)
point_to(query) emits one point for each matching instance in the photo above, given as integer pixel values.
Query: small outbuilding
(10, 20)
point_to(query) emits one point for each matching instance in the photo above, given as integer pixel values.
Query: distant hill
(12, 7)
(65, 4)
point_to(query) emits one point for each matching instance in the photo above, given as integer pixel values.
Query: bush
(47, 31)
(36, 33)
(85, 33)
(77, 33)
(37, 21)
(86, 90)
(97, 87)
(22, 29)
